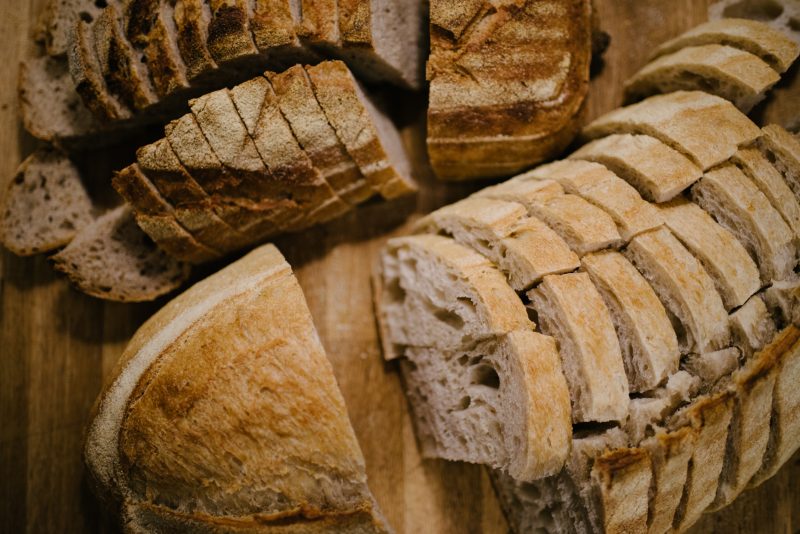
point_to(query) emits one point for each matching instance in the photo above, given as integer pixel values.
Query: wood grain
(56, 345)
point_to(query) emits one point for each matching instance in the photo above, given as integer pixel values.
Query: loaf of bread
(507, 83)
(676, 329)
(223, 415)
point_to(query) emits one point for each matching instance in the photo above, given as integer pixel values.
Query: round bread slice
(223, 415)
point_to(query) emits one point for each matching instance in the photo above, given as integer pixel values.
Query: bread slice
(713, 368)
(783, 300)
(381, 40)
(734, 74)
(782, 149)
(734, 273)
(439, 294)
(770, 182)
(164, 62)
(648, 411)
(622, 479)
(656, 170)
(771, 45)
(45, 204)
(670, 453)
(685, 289)
(274, 24)
(191, 25)
(684, 120)
(752, 327)
(737, 204)
(320, 24)
(229, 36)
(246, 337)
(569, 308)
(523, 247)
(113, 259)
(778, 14)
(366, 132)
(59, 19)
(601, 187)
(647, 340)
(511, 387)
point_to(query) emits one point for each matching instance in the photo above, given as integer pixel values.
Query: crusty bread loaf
(258, 369)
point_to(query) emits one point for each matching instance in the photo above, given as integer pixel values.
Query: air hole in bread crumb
(86, 17)
(450, 318)
(486, 375)
(794, 24)
(464, 403)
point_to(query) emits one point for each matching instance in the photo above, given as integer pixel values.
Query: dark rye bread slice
(113, 259)
(366, 132)
(191, 23)
(45, 204)
(58, 20)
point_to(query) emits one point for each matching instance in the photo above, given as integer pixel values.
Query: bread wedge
(569, 308)
(45, 204)
(112, 259)
(523, 247)
(656, 170)
(771, 45)
(191, 24)
(601, 187)
(684, 120)
(724, 258)
(737, 204)
(752, 327)
(258, 369)
(685, 289)
(734, 74)
(647, 340)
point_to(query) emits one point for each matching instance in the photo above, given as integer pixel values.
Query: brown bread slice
(734, 273)
(58, 20)
(167, 69)
(684, 120)
(366, 132)
(229, 36)
(656, 170)
(733, 74)
(274, 24)
(320, 23)
(738, 205)
(113, 259)
(523, 247)
(570, 309)
(45, 204)
(771, 45)
(647, 340)
(685, 289)
(191, 24)
(601, 187)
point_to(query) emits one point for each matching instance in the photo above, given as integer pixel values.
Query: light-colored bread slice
(737, 204)
(734, 74)
(648, 412)
(647, 340)
(258, 370)
(709, 418)
(752, 327)
(622, 478)
(439, 294)
(734, 273)
(779, 14)
(510, 387)
(685, 289)
(366, 132)
(113, 259)
(782, 149)
(58, 20)
(382, 41)
(596, 184)
(229, 36)
(783, 300)
(686, 121)
(713, 368)
(84, 68)
(45, 204)
(164, 62)
(670, 453)
(191, 24)
(756, 37)
(569, 308)
(770, 182)
(523, 247)
(656, 170)
(296, 100)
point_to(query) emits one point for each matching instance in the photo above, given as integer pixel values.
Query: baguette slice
(439, 294)
(601, 187)
(771, 45)
(733, 74)
(737, 204)
(686, 121)
(45, 204)
(734, 273)
(569, 308)
(648, 341)
(782, 149)
(246, 338)
(656, 170)
(191, 24)
(684, 288)
(511, 387)
(752, 327)
(112, 259)
(523, 247)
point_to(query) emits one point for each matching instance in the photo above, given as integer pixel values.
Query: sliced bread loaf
(113, 259)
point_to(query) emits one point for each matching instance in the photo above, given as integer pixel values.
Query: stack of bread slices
(614, 334)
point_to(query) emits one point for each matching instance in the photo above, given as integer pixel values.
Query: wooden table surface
(57, 345)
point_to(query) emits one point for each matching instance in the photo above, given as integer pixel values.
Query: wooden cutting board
(57, 345)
